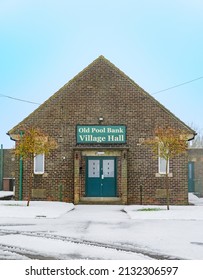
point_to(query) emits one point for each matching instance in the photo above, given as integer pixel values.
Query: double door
(101, 177)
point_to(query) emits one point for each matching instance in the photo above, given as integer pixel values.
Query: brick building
(195, 171)
(7, 170)
(99, 119)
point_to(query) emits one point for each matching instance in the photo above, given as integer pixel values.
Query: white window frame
(160, 171)
(35, 163)
(159, 164)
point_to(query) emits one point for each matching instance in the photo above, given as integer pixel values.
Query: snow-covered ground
(5, 194)
(37, 209)
(54, 230)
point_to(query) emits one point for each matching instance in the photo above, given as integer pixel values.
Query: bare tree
(197, 142)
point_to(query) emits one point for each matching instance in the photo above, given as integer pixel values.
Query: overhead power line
(169, 88)
(18, 99)
(179, 85)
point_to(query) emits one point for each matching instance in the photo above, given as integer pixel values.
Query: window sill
(44, 175)
(158, 175)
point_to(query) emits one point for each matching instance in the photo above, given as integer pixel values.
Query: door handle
(102, 176)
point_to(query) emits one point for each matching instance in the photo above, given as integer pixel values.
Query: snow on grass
(190, 212)
(37, 209)
(175, 212)
(47, 209)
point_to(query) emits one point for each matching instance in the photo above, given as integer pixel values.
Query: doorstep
(100, 200)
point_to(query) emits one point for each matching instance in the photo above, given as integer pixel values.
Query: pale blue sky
(45, 43)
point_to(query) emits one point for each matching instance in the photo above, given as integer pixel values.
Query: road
(85, 233)
(19, 252)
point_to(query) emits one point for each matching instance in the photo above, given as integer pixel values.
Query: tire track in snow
(28, 254)
(116, 247)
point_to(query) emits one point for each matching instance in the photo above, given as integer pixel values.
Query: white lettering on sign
(84, 130)
(113, 138)
(98, 130)
(101, 134)
(90, 138)
(115, 130)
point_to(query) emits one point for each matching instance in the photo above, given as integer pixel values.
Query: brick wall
(8, 169)
(103, 90)
(196, 155)
(9, 163)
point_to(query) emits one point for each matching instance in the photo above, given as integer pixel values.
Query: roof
(101, 58)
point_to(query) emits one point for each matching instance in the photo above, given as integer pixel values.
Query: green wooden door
(191, 184)
(101, 177)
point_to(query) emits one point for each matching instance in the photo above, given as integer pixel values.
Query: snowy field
(61, 231)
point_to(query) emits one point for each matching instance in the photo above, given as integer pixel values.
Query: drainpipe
(21, 174)
(1, 168)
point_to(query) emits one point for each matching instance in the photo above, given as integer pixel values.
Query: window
(162, 166)
(39, 164)
(162, 162)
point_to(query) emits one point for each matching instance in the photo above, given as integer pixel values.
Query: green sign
(104, 134)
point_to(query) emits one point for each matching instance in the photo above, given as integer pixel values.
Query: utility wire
(18, 99)
(179, 85)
